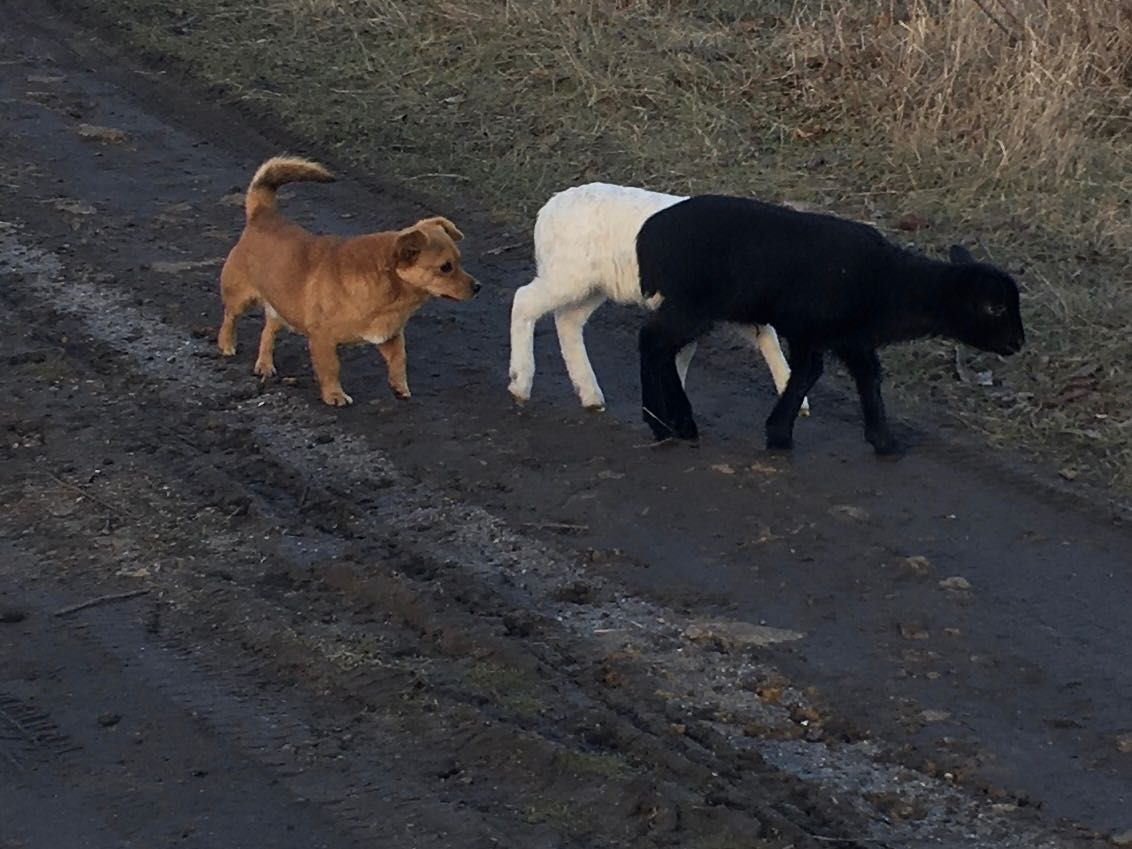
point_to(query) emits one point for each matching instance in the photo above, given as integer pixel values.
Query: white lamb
(586, 253)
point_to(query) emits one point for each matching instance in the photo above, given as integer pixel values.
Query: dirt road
(452, 622)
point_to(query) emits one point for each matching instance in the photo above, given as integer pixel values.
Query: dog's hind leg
(237, 296)
(265, 360)
(324, 358)
(393, 352)
(570, 322)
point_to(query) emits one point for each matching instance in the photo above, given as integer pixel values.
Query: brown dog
(332, 290)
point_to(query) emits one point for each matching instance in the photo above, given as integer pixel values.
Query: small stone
(110, 135)
(849, 511)
(913, 632)
(12, 615)
(723, 468)
(109, 720)
(1124, 743)
(919, 564)
(956, 582)
(576, 592)
(726, 636)
(935, 715)
(1123, 838)
(912, 222)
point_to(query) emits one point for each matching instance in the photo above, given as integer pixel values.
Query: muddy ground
(453, 622)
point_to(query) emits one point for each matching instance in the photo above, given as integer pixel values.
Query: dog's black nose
(475, 286)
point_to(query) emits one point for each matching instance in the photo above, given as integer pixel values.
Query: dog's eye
(994, 310)
(446, 268)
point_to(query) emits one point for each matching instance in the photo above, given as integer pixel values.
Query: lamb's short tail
(274, 173)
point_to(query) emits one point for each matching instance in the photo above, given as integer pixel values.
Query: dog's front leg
(324, 358)
(393, 351)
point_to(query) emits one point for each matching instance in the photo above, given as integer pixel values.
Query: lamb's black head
(984, 308)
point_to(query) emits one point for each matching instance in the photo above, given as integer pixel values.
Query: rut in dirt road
(465, 619)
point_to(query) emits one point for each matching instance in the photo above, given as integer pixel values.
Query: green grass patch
(510, 688)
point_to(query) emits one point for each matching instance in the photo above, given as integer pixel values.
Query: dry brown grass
(1025, 94)
(1002, 123)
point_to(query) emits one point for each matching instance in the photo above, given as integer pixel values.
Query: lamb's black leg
(805, 368)
(664, 405)
(864, 366)
(653, 410)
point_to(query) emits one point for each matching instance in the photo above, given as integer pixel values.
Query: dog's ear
(409, 245)
(440, 221)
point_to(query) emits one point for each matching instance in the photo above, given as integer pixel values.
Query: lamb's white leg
(570, 322)
(683, 360)
(766, 338)
(531, 303)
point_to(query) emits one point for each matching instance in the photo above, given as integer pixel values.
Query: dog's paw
(337, 398)
(227, 350)
(264, 370)
(401, 392)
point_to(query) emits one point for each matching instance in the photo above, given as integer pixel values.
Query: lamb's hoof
(888, 448)
(779, 442)
(660, 429)
(686, 430)
(592, 400)
(664, 430)
(805, 411)
(520, 390)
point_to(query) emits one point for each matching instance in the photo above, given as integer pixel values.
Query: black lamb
(823, 282)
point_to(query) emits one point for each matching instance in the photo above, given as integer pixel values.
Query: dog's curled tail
(274, 173)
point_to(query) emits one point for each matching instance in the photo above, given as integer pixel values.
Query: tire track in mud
(424, 620)
(470, 550)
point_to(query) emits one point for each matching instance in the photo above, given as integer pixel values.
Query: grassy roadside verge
(1011, 132)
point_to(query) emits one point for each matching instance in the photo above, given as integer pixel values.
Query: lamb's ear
(960, 255)
(440, 221)
(409, 245)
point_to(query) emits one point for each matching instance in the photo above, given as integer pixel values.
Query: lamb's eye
(446, 268)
